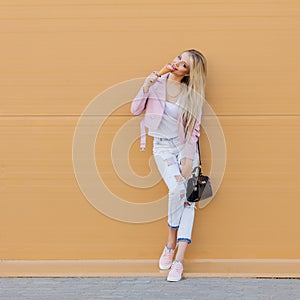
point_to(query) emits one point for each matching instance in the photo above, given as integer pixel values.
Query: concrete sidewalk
(148, 288)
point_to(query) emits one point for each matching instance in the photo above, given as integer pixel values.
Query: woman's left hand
(187, 167)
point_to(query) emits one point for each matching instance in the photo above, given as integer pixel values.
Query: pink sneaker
(166, 259)
(175, 273)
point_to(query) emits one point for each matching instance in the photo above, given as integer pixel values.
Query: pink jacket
(154, 103)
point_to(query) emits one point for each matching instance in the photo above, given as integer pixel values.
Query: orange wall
(56, 56)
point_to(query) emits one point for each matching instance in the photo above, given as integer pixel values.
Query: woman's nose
(175, 64)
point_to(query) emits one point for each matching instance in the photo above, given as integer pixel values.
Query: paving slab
(148, 288)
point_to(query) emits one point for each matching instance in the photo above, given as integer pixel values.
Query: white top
(168, 127)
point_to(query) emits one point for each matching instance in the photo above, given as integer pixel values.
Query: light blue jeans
(167, 154)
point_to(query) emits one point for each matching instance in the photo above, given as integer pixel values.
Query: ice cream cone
(166, 69)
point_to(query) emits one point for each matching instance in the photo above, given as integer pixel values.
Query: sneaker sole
(165, 267)
(174, 279)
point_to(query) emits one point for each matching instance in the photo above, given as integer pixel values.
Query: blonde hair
(194, 93)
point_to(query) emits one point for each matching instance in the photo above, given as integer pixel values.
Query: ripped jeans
(167, 154)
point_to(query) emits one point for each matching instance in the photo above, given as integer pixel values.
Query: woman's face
(181, 64)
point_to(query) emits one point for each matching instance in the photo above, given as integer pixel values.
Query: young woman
(173, 104)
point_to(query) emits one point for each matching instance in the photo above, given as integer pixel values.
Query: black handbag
(199, 185)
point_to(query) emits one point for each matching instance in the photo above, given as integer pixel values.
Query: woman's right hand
(149, 81)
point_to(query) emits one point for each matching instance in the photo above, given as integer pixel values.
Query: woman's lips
(173, 68)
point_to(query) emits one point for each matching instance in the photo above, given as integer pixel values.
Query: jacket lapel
(160, 88)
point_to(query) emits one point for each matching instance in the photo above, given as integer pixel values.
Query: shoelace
(176, 267)
(169, 254)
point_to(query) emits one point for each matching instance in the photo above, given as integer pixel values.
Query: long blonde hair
(194, 92)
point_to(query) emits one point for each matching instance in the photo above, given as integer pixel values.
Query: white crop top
(168, 127)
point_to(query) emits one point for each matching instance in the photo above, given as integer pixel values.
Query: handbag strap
(200, 164)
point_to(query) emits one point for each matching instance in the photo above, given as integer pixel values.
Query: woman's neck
(175, 78)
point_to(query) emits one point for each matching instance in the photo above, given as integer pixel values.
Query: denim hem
(184, 240)
(174, 227)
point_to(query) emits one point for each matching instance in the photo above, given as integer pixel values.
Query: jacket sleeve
(139, 102)
(189, 149)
